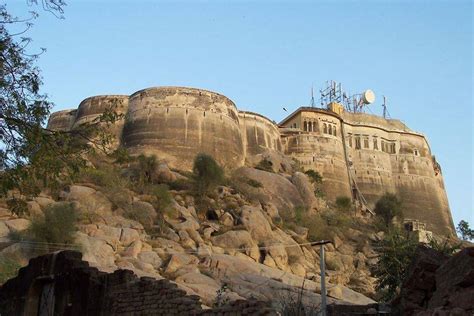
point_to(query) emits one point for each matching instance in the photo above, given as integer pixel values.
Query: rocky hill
(248, 238)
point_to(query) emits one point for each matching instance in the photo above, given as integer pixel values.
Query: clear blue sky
(266, 54)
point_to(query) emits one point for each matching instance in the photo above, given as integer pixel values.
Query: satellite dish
(368, 96)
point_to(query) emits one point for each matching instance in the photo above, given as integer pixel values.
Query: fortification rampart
(258, 133)
(177, 123)
(358, 155)
(62, 120)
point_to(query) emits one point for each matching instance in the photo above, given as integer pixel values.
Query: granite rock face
(439, 284)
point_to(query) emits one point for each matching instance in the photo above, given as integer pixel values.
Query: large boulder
(306, 190)
(235, 241)
(278, 189)
(455, 283)
(88, 200)
(242, 275)
(96, 251)
(17, 224)
(255, 222)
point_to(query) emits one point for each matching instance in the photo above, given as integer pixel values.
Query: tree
(387, 207)
(207, 174)
(464, 231)
(395, 255)
(32, 156)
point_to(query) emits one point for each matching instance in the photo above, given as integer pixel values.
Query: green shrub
(181, 185)
(57, 226)
(446, 246)
(387, 207)
(163, 197)
(17, 206)
(207, 174)
(314, 176)
(254, 183)
(343, 204)
(143, 216)
(265, 165)
(9, 267)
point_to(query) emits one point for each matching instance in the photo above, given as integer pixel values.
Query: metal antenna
(384, 105)
(312, 97)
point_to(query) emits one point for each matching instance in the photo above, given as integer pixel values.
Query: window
(376, 145)
(416, 152)
(357, 142)
(310, 126)
(383, 146)
(305, 126)
(366, 142)
(330, 129)
(393, 148)
(334, 131)
(350, 140)
(325, 128)
(314, 127)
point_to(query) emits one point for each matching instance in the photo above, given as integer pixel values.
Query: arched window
(330, 129)
(305, 126)
(325, 128)
(314, 127)
(310, 127)
(334, 131)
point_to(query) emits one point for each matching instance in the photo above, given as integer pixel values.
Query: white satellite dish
(368, 96)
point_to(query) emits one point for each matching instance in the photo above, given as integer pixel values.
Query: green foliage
(265, 165)
(446, 246)
(207, 174)
(144, 216)
(8, 268)
(146, 169)
(314, 176)
(33, 157)
(121, 156)
(254, 183)
(387, 207)
(163, 197)
(222, 296)
(464, 231)
(55, 229)
(320, 226)
(395, 254)
(17, 206)
(343, 204)
(111, 183)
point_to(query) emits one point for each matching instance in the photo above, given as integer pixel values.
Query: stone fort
(359, 155)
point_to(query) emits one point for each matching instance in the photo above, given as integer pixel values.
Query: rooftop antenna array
(312, 98)
(355, 103)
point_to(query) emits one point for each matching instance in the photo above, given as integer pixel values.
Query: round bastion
(177, 123)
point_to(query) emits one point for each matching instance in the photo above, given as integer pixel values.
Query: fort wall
(356, 153)
(258, 133)
(62, 120)
(177, 123)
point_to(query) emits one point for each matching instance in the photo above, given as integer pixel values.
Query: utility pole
(322, 265)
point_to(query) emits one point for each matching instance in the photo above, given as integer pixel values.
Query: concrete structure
(359, 155)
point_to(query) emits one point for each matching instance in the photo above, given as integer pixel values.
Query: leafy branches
(31, 155)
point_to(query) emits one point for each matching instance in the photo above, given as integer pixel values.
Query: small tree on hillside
(464, 231)
(387, 207)
(396, 252)
(207, 174)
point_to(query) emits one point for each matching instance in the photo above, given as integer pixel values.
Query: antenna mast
(312, 98)
(384, 105)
